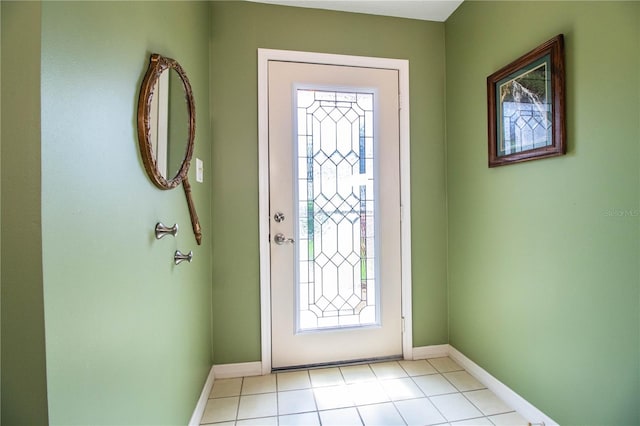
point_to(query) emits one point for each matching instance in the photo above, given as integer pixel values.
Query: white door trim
(402, 65)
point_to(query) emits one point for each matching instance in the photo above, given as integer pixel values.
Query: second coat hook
(162, 230)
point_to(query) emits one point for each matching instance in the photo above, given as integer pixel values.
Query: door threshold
(337, 363)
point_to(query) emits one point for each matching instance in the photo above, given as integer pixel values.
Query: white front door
(334, 197)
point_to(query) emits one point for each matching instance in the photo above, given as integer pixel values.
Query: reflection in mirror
(166, 128)
(159, 109)
(169, 123)
(178, 124)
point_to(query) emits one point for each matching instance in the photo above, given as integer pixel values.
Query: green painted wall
(24, 386)
(128, 336)
(543, 256)
(238, 30)
(0, 220)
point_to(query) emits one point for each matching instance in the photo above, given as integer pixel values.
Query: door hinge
(403, 324)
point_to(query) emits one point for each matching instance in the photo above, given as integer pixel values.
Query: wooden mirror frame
(157, 65)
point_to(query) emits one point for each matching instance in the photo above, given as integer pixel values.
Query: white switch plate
(199, 170)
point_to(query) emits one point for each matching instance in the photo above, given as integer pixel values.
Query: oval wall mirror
(166, 128)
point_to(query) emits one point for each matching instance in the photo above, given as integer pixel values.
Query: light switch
(199, 170)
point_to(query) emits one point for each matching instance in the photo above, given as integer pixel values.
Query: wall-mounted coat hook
(162, 230)
(179, 257)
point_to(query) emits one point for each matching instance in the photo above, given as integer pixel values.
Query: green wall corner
(127, 332)
(97, 325)
(238, 30)
(24, 385)
(531, 270)
(543, 256)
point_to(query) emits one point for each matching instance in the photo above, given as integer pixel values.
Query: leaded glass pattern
(335, 199)
(526, 111)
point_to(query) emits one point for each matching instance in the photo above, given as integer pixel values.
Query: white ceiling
(428, 10)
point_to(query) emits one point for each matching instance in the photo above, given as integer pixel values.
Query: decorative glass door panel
(334, 213)
(336, 209)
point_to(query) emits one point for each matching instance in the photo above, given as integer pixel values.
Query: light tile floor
(426, 392)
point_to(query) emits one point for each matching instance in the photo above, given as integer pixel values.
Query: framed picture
(526, 104)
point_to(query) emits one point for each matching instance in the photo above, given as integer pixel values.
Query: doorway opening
(353, 305)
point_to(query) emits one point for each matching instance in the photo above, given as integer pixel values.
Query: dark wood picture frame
(526, 106)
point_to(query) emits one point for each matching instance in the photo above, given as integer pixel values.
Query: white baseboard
(433, 351)
(502, 391)
(242, 369)
(202, 401)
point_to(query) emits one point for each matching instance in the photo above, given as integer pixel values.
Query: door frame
(402, 66)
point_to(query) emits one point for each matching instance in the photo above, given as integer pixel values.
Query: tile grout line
(239, 399)
(487, 415)
(313, 395)
(458, 391)
(464, 396)
(315, 401)
(429, 399)
(354, 404)
(277, 401)
(427, 396)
